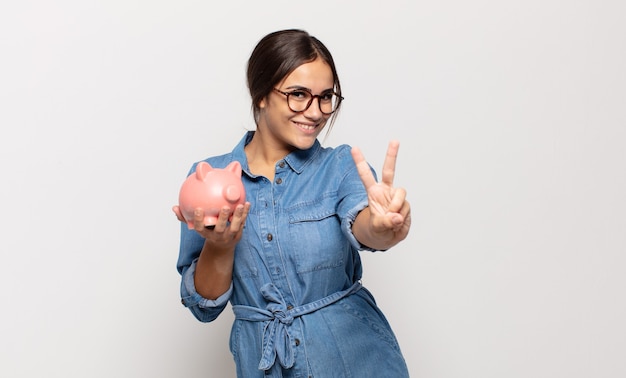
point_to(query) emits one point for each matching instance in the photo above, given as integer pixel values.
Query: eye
(300, 95)
(328, 96)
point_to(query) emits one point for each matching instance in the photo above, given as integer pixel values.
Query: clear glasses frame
(295, 101)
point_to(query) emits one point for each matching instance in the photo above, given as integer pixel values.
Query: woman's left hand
(387, 219)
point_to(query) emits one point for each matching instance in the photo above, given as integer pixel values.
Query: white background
(512, 122)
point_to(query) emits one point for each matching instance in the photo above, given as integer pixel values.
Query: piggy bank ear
(234, 167)
(202, 169)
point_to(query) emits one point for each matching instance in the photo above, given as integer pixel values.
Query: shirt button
(281, 164)
(270, 237)
(289, 307)
(279, 181)
(297, 342)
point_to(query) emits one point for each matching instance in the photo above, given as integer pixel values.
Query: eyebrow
(308, 89)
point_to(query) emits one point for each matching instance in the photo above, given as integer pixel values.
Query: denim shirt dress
(300, 309)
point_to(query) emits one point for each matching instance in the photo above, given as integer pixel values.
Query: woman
(288, 260)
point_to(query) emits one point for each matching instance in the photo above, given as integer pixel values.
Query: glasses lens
(328, 103)
(300, 101)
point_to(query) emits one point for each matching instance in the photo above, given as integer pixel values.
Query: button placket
(281, 165)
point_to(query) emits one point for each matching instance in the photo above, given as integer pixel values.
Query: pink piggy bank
(210, 189)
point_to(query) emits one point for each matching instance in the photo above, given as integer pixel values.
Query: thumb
(179, 214)
(396, 219)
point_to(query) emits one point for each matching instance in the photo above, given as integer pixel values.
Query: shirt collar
(297, 159)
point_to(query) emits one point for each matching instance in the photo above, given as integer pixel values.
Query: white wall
(512, 123)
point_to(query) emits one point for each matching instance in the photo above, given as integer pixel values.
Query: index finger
(367, 177)
(389, 166)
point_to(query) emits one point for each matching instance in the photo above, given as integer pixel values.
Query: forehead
(315, 75)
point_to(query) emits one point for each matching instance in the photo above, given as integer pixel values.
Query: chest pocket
(315, 235)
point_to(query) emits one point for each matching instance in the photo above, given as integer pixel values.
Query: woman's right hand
(225, 234)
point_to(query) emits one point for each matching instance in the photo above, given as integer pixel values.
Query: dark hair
(276, 56)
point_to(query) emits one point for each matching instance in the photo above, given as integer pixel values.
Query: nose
(313, 111)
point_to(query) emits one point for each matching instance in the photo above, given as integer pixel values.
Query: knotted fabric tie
(277, 341)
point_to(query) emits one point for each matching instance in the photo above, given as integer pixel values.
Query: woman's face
(290, 130)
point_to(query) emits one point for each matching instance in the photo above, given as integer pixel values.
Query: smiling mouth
(306, 127)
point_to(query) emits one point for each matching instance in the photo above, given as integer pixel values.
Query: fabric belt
(277, 342)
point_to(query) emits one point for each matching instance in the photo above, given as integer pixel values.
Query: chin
(304, 143)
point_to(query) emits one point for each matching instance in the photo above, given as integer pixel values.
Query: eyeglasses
(299, 100)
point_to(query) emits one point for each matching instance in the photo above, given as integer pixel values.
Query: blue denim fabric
(300, 310)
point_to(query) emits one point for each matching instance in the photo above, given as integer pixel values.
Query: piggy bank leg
(210, 221)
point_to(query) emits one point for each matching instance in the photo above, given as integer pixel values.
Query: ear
(202, 169)
(234, 167)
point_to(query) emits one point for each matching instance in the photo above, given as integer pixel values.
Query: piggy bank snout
(232, 193)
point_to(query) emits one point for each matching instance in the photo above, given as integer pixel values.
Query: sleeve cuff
(190, 297)
(346, 224)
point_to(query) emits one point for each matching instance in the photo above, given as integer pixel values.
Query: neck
(262, 157)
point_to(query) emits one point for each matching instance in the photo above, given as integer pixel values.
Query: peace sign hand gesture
(387, 219)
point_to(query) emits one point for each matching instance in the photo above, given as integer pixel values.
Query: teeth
(306, 127)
